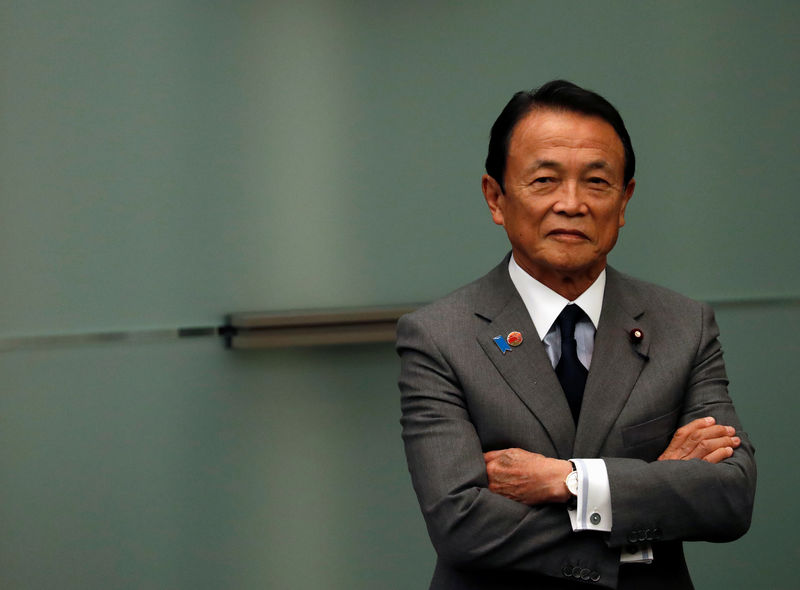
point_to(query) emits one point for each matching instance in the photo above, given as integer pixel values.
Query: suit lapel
(525, 368)
(617, 361)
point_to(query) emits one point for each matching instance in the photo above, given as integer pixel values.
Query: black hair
(558, 95)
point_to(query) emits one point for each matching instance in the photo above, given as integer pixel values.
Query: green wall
(164, 163)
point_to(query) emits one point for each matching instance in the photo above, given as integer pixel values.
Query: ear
(494, 197)
(626, 196)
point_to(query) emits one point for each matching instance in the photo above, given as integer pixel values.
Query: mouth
(568, 234)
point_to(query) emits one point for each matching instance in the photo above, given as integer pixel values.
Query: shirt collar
(544, 304)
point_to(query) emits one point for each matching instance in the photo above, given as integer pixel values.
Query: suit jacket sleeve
(683, 500)
(471, 527)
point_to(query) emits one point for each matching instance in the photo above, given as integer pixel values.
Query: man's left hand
(527, 477)
(702, 439)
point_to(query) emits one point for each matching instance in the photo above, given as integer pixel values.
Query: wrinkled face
(564, 199)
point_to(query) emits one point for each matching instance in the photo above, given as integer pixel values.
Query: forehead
(566, 134)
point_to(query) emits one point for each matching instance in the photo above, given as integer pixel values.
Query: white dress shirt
(593, 507)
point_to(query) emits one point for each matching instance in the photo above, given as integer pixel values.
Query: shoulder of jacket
(654, 294)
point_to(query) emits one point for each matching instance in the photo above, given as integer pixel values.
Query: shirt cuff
(592, 511)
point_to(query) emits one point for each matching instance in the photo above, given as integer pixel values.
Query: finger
(719, 455)
(673, 450)
(700, 438)
(493, 455)
(710, 445)
(710, 432)
(687, 430)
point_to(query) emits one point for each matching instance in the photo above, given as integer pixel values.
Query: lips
(568, 233)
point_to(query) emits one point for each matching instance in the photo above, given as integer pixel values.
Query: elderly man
(567, 425)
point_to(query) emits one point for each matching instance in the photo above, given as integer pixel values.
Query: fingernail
(709, 420)
(736, 440)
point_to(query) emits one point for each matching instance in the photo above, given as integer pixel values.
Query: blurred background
(165, 162)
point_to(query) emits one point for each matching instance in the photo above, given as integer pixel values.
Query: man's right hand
(702, 439)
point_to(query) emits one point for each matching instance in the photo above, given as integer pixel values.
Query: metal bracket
(311, 328)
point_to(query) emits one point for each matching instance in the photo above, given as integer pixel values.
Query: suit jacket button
(585, 573)
(633, 537)
(642, 535)
(576, 572)
(567, 570)
(594, 577)
(595, 518)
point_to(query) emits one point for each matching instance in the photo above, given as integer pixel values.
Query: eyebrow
(598, 165)
(594, 165)
(544, 164)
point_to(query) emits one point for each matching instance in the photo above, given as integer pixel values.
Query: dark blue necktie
(571, 373)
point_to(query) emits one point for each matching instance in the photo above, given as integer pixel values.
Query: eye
(543, 180)
(597, 180)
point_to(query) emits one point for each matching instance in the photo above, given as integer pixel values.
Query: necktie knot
(568, 318)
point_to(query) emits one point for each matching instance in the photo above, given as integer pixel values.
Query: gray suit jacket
(461, 396)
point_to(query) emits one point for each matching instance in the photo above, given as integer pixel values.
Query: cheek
(609, 230)
(612, 220)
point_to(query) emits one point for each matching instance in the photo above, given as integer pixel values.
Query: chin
(578, 267)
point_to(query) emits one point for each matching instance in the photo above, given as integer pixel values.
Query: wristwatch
(572, 481)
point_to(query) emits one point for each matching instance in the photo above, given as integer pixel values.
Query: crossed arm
(499, 510)
(532, 478)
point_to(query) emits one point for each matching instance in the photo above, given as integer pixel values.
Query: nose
(570, 200)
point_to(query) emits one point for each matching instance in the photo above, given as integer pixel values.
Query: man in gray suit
(566, 425)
